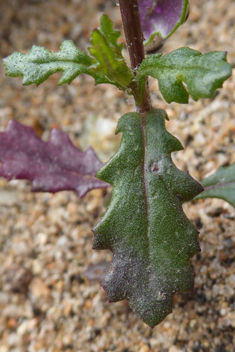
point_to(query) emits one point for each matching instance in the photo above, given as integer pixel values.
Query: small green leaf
(40, 63)
(220, 185)
(203, 74)
(145, 227)
(107, 53)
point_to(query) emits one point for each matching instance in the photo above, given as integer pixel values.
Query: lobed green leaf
(145, 227)
(107, 55)
(39, 64)
(202, 73)
(220, 185)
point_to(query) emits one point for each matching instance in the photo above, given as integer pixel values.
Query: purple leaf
(161, 17)
(51, 166)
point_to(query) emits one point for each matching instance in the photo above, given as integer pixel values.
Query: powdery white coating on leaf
(145, 227)
(51, 166)
(39, 64)
(161, 17)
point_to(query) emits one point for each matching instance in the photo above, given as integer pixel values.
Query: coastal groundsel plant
(151, 238)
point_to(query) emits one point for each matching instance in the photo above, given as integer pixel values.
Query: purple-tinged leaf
(51, 166)
(161, 17)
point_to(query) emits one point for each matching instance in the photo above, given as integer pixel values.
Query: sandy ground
(50, 295)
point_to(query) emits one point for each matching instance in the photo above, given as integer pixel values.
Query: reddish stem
(134, 39)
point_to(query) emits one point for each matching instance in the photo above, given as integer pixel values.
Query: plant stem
(134, 39)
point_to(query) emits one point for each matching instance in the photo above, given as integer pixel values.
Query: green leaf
(220, 185)
(40, 63)
(145, 227)
(202, 74)
(107, 53)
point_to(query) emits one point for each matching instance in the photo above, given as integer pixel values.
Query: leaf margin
(25, 65)
(174, 90)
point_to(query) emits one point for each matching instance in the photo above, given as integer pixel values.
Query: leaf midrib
(174, 68)
(218, 185)
(143, 129)
(57, 61)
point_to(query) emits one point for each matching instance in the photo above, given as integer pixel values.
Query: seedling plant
(145, 227)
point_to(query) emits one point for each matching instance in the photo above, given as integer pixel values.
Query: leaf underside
(39, 64)
(220, 185)
(51, 166)
(145, 227)
(161, 17)
(202, 73)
